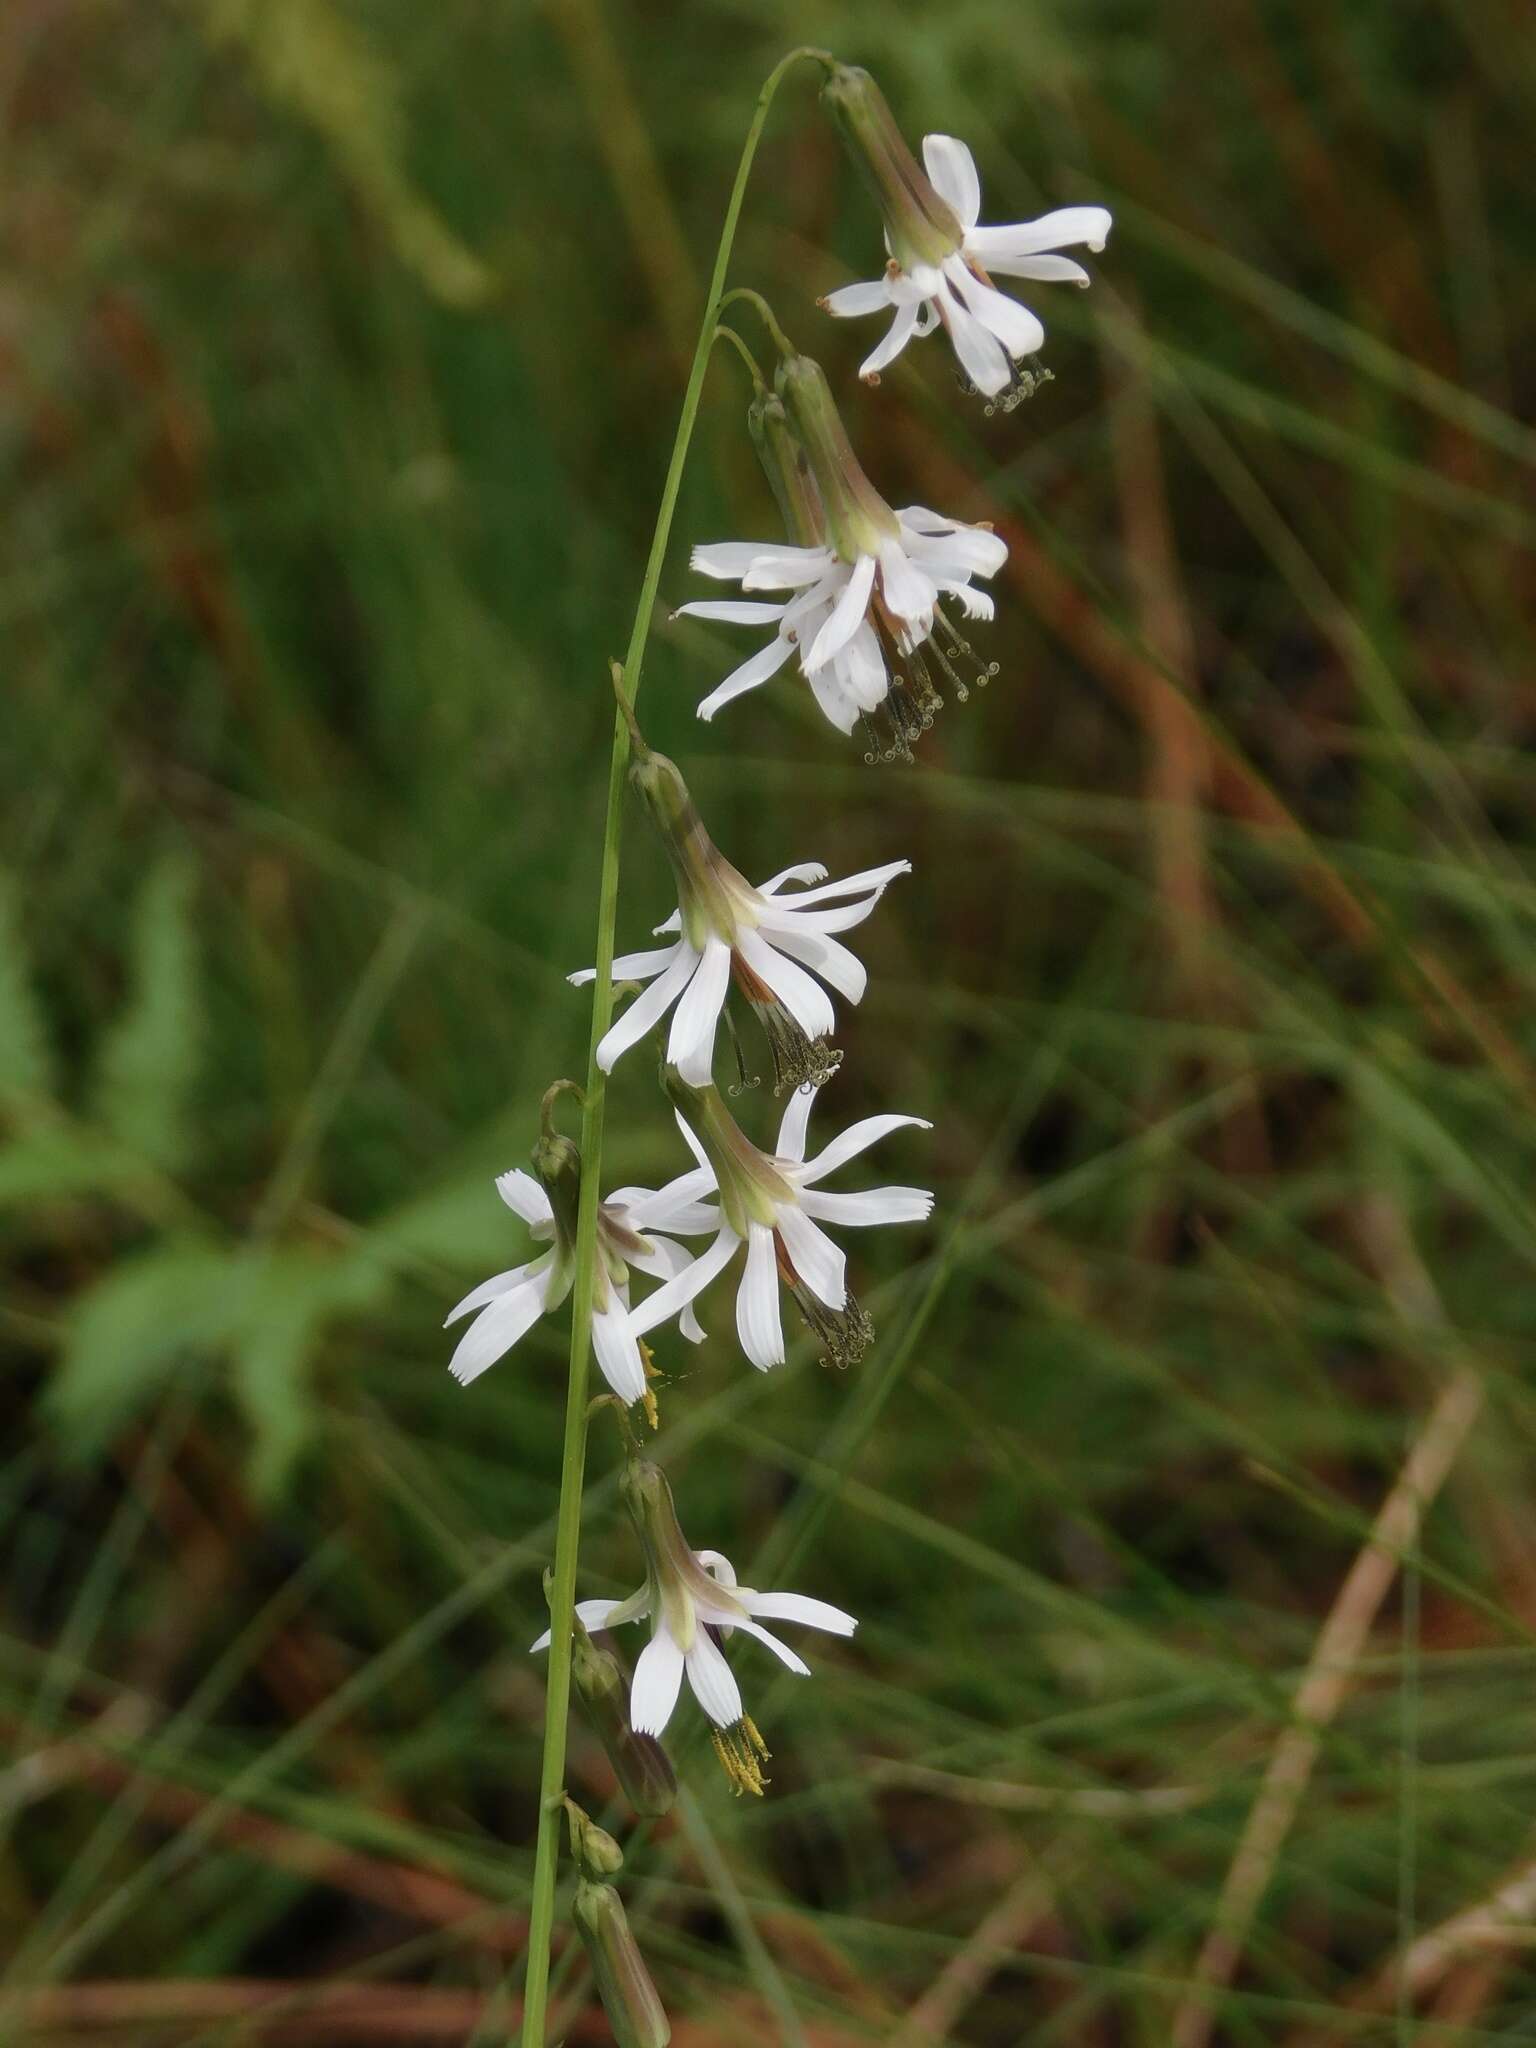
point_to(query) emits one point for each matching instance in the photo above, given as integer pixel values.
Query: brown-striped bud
(640, 1764)
(623, 1983)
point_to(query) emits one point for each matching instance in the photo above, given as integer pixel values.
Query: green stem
(573, 1458)
(745, 294)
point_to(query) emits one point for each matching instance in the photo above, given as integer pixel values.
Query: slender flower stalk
(573, 1456)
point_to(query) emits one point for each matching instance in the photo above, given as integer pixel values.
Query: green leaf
(27, 1067)
(291, 1300)
(148, 1063)
(55, 1162)
(129, 1332)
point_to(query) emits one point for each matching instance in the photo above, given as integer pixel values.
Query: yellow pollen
(739, 1749)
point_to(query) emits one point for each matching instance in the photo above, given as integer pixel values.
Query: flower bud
(595, 1850)
(788, 470)
(922, 228)
(748, 1183)
(640, 1764)
(623, 1983)
(859, 521)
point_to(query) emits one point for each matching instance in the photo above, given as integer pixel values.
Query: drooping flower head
(940, 259)
(775, 943)
(865, 617)
(772, 1204)
(693, 1601)
(510, 1303)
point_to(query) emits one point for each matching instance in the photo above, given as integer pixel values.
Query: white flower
(690, 1595)
(775, 943)
(511, 1303)
(774, 1205)
(854, 624)
(990, 331)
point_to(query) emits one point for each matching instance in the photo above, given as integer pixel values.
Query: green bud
(858, 518)
(788, 470)
(749, 1185)
(640, 1764)
(595, 1850)
(623, 1983)
(923, 228)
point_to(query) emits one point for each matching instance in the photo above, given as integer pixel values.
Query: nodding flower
(693, 1602)
(866, 615)
(775, 943)
(772, 1204)
(941, 262)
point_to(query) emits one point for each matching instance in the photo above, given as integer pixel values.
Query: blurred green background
(341, 344)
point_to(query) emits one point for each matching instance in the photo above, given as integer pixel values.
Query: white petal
(718, 1565)
(665, 1208)
(908, 592)
(497, 1328)
(996, 247)
(806, 871)
(729, 560)
(799, 1607)
(618, 1352)
(523, 1195)
(806, 1000)
(787, 568)
(836, 701)
(853, 301)
(836, 917)
(891, 344)
(1014, 325)
(874, 1206)
(961, 550)
(797, 1116)
(813, 1255)
(701, 1157)
(691, 1045)
(730, 611)
(757, 1302)
(861, 670)
(1046, 270)
(756, 669)
(847, 615)
(953, 170)
(851, 885)
(856, 1139)
(658, 1677)
(974, 603)
(676, 1294)
(834, 963)
(665, 1261)
(782, 1651)
(981, 355)
(647, 1010)
(593, 1614)
(714, 1687)
(498, 1284)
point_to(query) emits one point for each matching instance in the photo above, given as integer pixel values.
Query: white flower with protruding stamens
(693, 1600)
(853, 624)
(774, 1205)
(510, 1303)
(989, 331)
(775, 942)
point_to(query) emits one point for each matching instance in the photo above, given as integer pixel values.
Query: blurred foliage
(341, 344)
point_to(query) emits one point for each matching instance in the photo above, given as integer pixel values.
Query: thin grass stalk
(573, 1456)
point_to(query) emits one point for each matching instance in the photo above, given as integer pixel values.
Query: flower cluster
(872, 605)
